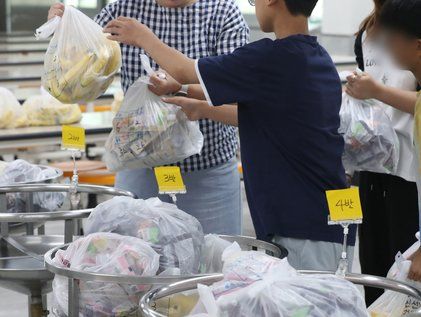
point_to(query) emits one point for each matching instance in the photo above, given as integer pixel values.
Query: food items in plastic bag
(148, 132)
(21, 172)
(118, 101)
(258, 285)
(106, 253)
(212, 250)
(393, 304)
(371, 143)
(11, 112)
(174, 234)
(44, 110)
(81, 62)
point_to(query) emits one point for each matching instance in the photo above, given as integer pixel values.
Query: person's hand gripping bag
(148, 132)
(371, 143)
(80, 62)
(393, 304)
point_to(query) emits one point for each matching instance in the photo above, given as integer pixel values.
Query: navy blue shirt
(289, 95)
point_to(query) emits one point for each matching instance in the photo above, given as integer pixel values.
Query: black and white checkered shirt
(205, 28)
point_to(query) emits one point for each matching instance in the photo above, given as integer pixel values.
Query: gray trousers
(314, 255)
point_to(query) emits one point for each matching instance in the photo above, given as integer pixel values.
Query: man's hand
(362, 86)
(56, 9)
(415, 270)
(160, 86)
(128, 31)
(193, 108)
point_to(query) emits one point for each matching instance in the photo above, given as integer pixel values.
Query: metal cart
(148, 301)
(74, 277)
(29, 205)
(21, 256)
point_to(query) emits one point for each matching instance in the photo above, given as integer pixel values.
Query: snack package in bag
(371, 143)
(80, 62)
(106, 253)
(148, 132)
(45, 110)
(393, 304)
(11, 112)
(175, 235)
(256, 284)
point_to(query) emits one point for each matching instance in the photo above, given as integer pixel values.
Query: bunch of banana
(45, 111)
(81, 77)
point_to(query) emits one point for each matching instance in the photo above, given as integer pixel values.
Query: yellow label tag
(169, 180)
(344, 204)
(73, 138)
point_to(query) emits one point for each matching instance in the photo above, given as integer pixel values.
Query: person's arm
(225, 79)
(415, 269)
(200, 109)
(365, 87)
(131, 32)
(168, 85)
(233, 33)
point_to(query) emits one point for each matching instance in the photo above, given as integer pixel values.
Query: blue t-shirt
(289, 95)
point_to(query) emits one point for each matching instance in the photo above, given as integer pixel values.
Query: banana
(75, 72)
(95, 70)
(81, 94)
(52, 85)
(114, 63)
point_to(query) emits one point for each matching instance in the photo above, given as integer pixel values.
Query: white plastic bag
(106, 253)
(45, 110)
(212, 250)
(148, 132)
(371, 143)
(257, 285)
(11, 112)
(174, 234)
(393, 304)
(80, 62)
(22, 172)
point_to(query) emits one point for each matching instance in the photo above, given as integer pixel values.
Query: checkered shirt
(205, 28)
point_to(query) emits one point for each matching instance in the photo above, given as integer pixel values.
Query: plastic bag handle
(144, 60)
(208, 300)
(48, 28)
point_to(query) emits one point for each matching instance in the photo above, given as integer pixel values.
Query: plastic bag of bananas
(44, 110)
(148, 132)
(11, 112)
(80, 62)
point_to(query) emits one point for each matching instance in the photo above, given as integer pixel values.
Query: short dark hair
(301, 7)
(402, 16)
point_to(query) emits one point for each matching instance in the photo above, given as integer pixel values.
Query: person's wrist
(207, 111)
(178, 87)
(143, 37)
(378, 91)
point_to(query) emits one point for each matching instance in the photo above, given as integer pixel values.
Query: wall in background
(343, 17)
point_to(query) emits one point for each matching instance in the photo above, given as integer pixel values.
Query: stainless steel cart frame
(74, 276)
(21, 257)
(148, 300)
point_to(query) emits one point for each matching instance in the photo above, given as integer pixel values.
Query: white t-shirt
(379, 65)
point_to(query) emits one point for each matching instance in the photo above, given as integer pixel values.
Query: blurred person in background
(389, 202)
(198, 28)
(401, 21)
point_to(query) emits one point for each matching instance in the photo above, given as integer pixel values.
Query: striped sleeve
(234, 30)
(108, 13)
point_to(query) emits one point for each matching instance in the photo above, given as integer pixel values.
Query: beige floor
(15, 305)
